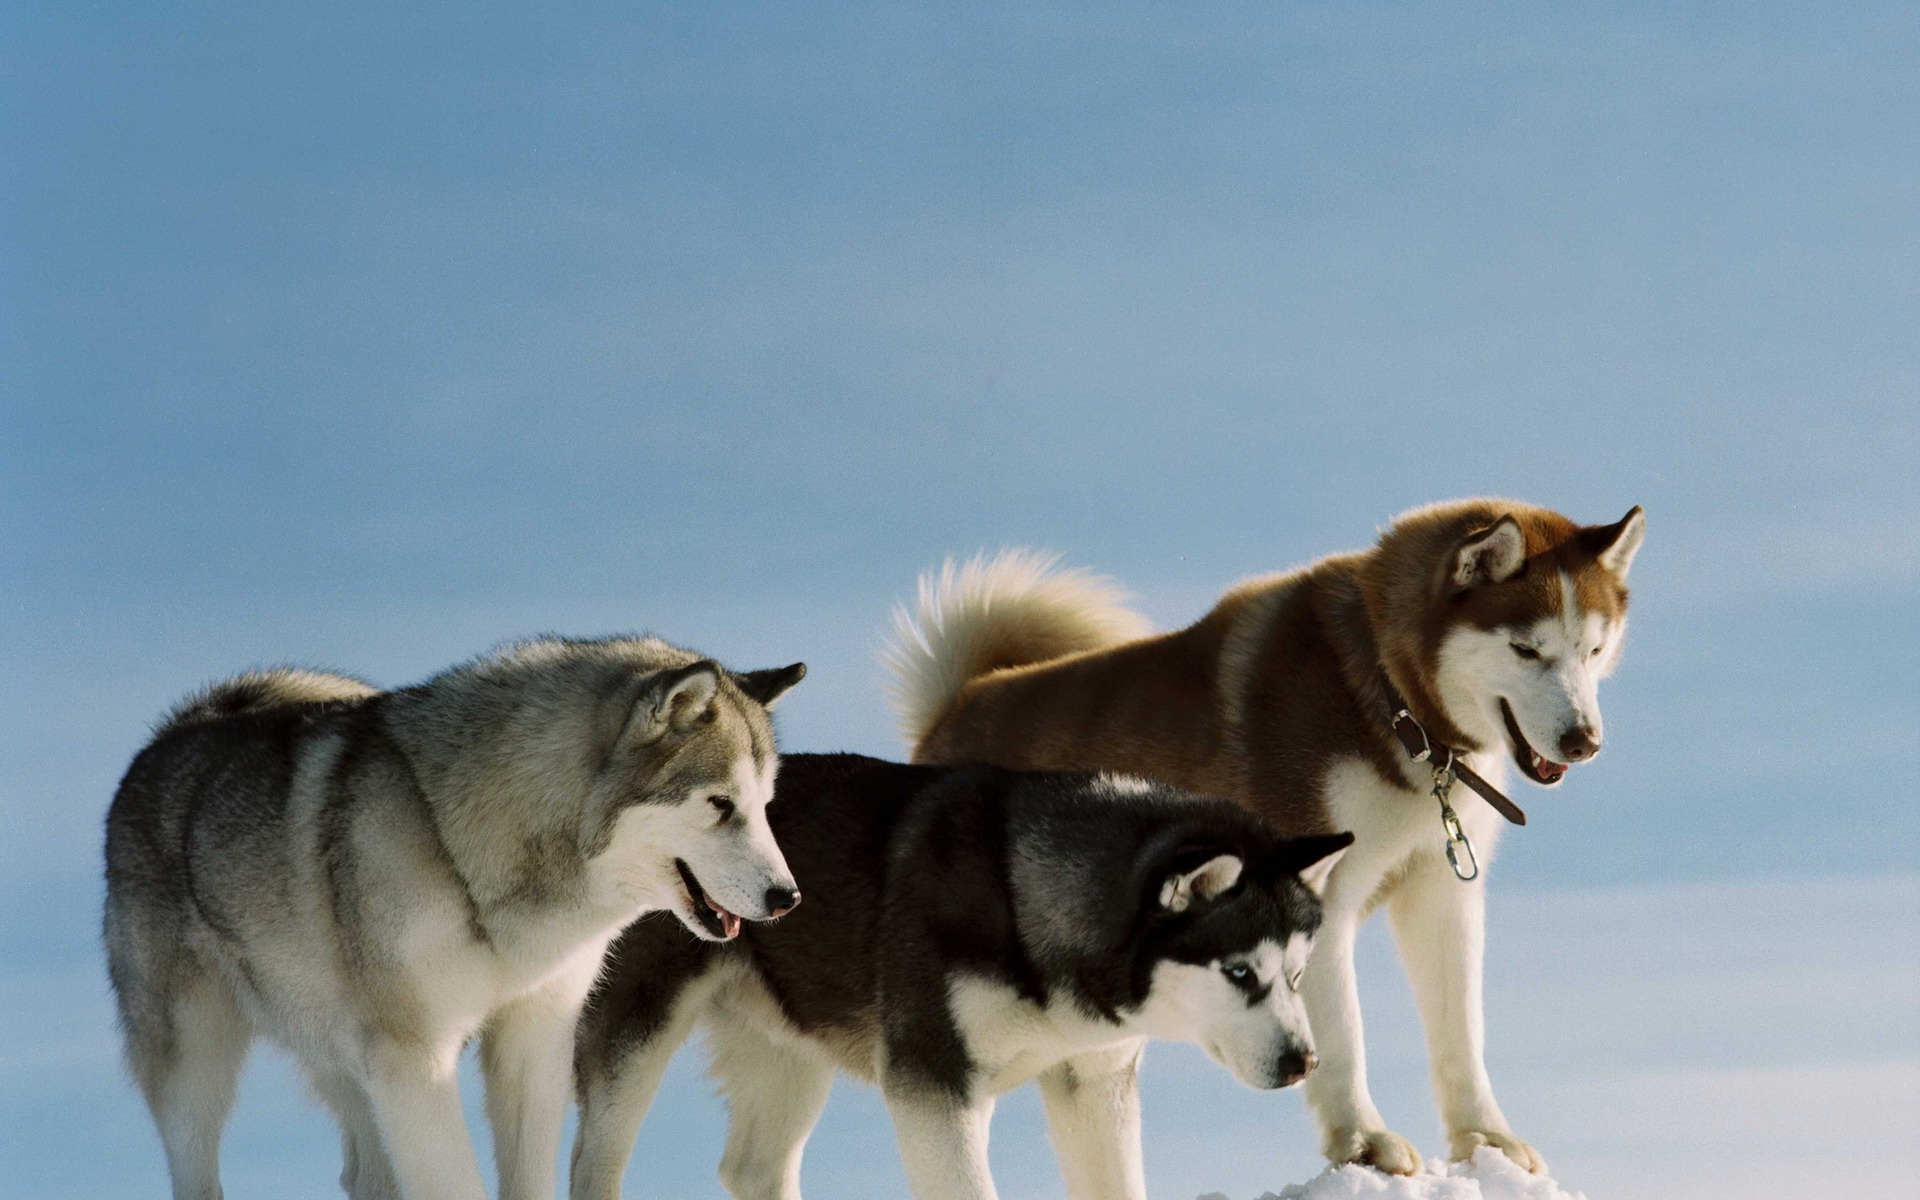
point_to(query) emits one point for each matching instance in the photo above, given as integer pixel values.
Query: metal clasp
(1458, 843)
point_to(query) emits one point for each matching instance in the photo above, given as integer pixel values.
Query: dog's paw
(1465, 1141)
(1381, 1149)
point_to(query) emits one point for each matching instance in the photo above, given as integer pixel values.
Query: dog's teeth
(729, 923)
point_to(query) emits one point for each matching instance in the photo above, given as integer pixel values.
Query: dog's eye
(1238, 972)
(723, 806)
(1594, 653)
(1526, 652)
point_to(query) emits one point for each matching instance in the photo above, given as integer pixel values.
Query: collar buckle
(1412, 735)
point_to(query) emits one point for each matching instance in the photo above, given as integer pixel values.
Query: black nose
(1293, 1066)
(1578, 745)
(781, 901)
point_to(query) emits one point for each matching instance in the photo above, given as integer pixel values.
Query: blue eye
(1238, 972)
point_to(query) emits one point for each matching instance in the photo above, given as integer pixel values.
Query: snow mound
(1490, 1176)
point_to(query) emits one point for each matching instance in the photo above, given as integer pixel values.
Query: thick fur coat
(1495, 620)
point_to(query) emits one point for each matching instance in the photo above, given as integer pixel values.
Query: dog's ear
(1492, 555)
(675, 699)
(1313, 858)
(769, 685)
(1615, 545)
(1185, 889)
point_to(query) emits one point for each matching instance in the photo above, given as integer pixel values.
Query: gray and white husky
(372, 878)
(967, 929)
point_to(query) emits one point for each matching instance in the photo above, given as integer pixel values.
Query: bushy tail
(257, 691)
(1006, 611)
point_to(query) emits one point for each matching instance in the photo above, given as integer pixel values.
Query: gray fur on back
(485, 774)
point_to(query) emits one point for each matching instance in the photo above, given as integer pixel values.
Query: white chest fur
(1012, 1039)
(1393, 825)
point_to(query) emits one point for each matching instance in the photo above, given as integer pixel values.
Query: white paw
(1381, 1149)
(1464, 1142)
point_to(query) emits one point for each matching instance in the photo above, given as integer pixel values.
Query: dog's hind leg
(188, 1058)
(1093, 1114)
(775, 1092)
(616, 1084)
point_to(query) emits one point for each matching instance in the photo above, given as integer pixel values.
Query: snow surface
(1490, 1176)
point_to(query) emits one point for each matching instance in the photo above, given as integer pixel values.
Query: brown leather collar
(1421, 748)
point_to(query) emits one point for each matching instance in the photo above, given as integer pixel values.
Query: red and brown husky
(1490, 622)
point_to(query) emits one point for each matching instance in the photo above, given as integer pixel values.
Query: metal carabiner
(1457, 840)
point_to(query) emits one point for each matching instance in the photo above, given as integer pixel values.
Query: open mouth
(716, 920)
(1533, 764)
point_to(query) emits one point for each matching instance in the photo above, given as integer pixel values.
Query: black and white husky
(966, 929)
(373, 878)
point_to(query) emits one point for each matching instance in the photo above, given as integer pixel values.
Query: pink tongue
(1548, 768)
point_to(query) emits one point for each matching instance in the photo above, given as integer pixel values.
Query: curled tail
(1006, 611)
(257, 691)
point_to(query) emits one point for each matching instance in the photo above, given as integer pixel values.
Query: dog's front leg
(415, 1097)
(1440, 925)
(1093, 1113)
(1351, 1128)
(526, 1055)
(943, 1140)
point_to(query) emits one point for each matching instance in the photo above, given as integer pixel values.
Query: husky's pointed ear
(675, 699)
(1493, 555)
(769, 685)
(1616, 544)
(1313, 858)
(1183, 890)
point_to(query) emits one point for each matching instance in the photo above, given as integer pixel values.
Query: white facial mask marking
(735, 862)
(1550, 695)
(1200, 1005)
(738, 860)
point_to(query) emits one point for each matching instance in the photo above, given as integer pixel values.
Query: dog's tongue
(1546, 768)
(730, 924)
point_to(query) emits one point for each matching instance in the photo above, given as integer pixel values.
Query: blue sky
(368, 337)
